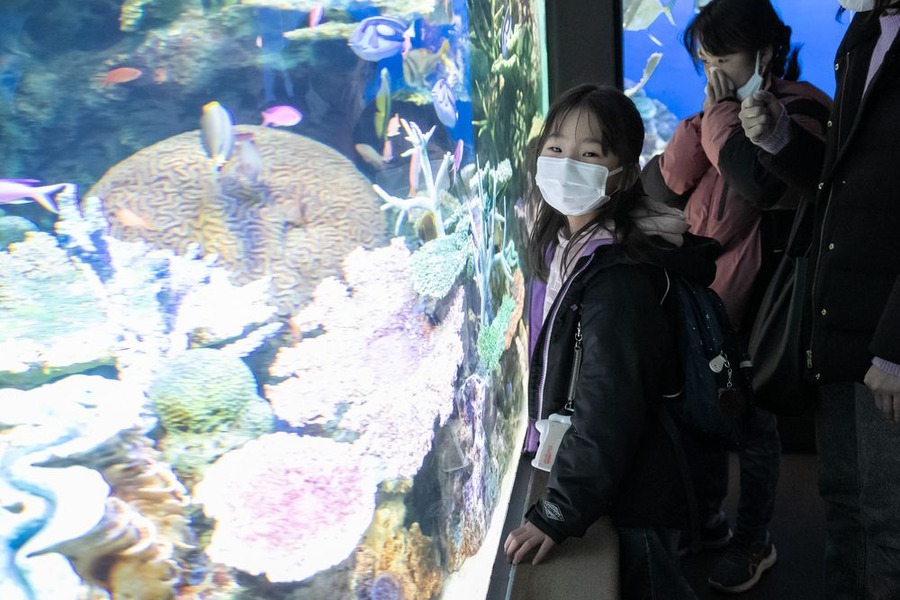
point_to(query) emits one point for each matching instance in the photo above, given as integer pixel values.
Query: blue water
(675, 82)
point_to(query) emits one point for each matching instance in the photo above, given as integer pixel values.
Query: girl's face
(738, 67)
(578, 137)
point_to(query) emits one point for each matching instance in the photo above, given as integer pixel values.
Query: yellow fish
(217, 133)
(640, 14)
(383, 105)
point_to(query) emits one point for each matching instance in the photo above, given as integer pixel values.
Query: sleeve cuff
(779, 137)
(886, 366)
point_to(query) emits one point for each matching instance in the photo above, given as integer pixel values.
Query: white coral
(380, 370)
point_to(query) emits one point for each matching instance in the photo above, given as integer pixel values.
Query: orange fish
(129, 218)
(121, 75)
(415, 161)
(160, 75)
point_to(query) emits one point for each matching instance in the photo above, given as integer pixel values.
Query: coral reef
(54, 320)
(465, 502)
(395, 559)
(140, 547)
(380, 370)
(39, 430)
(202, 391)
(13, 229)
(436, 266)
(287, 506)
(83, 300)
(207, 402)
(124, 555)
(309, 208)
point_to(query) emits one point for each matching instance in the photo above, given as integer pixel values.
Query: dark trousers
(859, 480)
(760, 460)
(648, 565)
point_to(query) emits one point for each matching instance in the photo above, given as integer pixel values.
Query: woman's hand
(718, 87)
(886, 389)
(524, 539)
(759, 115)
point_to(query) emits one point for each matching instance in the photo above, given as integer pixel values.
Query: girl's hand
(718, 87)
(886, 389)
(524, 539)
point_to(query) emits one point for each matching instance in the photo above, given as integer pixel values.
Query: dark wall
(584, 43)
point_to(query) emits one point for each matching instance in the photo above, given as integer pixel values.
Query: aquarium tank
(261, 300)
(660, 76)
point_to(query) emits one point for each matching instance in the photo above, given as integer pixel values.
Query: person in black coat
(601, 253)
(854, 346)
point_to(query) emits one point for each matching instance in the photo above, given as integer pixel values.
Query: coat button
(821, 185)
(818, 376)
(829, 123)
(823, 312)
(831, 246)
(837, 66)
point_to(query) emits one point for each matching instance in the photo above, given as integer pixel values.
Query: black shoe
(711, 538)
(742, 566)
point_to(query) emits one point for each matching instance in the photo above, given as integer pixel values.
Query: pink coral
(287, 506)
(380, 369)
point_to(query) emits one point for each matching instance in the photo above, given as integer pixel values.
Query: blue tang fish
(376, 38)
(444, 103)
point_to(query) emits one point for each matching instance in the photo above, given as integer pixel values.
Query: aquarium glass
(665, 85)
(260, 295)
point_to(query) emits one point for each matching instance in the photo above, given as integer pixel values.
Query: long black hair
(622, 134)
(731, 26)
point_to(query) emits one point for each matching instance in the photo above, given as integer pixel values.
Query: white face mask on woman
(753, 84)
(858, 5)
(572, 187)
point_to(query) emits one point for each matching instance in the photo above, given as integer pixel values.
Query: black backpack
(715, 395)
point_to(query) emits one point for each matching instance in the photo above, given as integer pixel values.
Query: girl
(600, 252)
(743, 47)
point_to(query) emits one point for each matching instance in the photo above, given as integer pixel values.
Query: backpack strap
(684, 466)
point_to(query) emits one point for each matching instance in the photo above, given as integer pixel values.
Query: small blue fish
(444, 103)
(217, 133)
(376, 38)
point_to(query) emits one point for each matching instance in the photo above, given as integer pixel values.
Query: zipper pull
(809, 359)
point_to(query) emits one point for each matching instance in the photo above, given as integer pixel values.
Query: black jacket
(855, 295)
(616, 459)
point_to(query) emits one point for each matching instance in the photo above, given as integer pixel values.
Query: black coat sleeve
(655, 185)
(800, 162)
(743, 171)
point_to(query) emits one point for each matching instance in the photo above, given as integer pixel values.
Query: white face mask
(753, 84)
(572, 187)
(858, 5)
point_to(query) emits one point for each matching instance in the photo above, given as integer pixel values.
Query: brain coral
(202, 391)
(308, 207)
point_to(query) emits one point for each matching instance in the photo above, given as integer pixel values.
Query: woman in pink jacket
(712, 170)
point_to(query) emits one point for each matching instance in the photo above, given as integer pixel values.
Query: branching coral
(379, 369)
(430, 200)
(287, 506)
